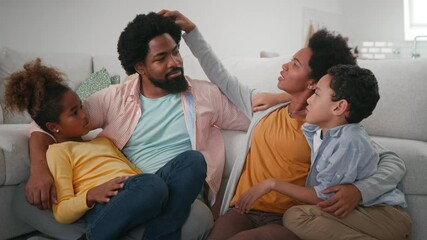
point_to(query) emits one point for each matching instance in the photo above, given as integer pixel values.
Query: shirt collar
(333, 132)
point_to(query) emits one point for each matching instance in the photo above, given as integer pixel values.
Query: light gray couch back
(76, 67)
(401, 111)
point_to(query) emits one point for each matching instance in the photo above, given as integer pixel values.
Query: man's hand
(345, 199)
(102, 193)
(181, 20)
(40, 189)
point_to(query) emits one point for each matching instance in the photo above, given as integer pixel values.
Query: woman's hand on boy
(345, 199)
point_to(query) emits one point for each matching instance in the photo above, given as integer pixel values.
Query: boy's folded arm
(389, 173)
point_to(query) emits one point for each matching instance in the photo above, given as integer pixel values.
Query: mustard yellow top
(79, 166)
(278, 150)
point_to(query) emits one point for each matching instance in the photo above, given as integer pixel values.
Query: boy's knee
(296, 216)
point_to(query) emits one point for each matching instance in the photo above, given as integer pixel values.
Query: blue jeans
(141, 199)
(184, 176)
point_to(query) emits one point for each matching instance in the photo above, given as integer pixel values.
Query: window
(415, 19)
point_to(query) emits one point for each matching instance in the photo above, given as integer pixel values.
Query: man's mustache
(174, 70)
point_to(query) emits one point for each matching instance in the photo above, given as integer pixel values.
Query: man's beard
(171, 85)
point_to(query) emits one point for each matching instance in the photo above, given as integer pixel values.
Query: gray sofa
(397, 122)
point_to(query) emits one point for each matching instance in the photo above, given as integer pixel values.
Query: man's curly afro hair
(133, 41)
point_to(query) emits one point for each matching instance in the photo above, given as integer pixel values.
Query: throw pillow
(96, 82)
(11, 61)
(15, 117)
(115, 79)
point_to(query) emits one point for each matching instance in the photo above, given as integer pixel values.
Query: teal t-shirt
(160, 135)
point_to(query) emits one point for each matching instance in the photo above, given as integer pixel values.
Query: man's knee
(197, 160)
(194, 162)
(149, 189)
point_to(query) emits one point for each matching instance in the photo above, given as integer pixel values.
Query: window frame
(413, 29)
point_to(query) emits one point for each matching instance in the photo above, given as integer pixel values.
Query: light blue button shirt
(345, 156)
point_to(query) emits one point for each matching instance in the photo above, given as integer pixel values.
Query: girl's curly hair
(37, 89)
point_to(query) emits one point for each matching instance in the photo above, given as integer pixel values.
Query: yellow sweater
(79, 166)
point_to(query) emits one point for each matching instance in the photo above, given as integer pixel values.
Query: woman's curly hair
(37, 89)
(328, 50)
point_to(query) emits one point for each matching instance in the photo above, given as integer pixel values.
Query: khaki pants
(379, 222)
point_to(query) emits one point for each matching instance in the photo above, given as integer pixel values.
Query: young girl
(92, 178)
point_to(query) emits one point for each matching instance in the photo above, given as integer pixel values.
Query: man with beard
(157, 119)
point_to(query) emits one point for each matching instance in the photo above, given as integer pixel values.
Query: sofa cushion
(414, 153)
(403, 98)
(1, 114)
(259, 73)
(14, 161)
(75, 66)
(16, 117)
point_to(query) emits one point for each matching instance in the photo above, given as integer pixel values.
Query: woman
(275, 146)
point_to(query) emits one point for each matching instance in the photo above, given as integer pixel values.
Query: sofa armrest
(414, 153)
(1, 114)
(14, 155)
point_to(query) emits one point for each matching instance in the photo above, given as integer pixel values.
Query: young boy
(341, 153)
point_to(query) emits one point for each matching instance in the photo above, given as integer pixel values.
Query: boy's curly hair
(133, 41)
(356, 85)
(37, 89)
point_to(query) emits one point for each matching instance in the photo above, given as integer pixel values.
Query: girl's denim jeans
(162, 201)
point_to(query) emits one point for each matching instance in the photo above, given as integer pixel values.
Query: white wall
(374, 20)
(233, 27)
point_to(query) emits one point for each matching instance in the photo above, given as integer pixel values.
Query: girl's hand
(245, 202)
(263, 101)
(102, 193)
